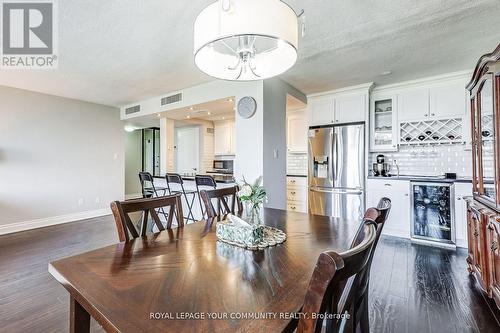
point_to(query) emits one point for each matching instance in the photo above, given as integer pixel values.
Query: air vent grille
(133, 109)
(171, 99)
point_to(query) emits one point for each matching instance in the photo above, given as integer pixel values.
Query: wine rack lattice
(437, 131)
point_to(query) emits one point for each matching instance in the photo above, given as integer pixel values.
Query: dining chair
(126, 229)
(148, 187)
(329, 279)
(355, 300)
(175, 178)
(204, 181)
(221, 196)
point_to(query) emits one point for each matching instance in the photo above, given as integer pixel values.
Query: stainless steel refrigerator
(336, 171)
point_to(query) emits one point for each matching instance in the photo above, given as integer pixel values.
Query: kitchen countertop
(437, 179)
(218, 178)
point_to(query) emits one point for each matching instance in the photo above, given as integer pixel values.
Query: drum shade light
(246, 40)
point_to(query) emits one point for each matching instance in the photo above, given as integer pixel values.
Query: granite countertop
(439, 179)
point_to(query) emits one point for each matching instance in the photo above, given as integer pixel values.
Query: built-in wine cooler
(432, 213)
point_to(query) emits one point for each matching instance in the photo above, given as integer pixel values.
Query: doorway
(187, 152)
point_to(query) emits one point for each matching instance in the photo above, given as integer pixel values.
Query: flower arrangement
(253, 194)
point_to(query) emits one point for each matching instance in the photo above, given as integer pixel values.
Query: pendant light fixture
(245, 40)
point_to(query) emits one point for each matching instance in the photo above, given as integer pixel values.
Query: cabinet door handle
(387, 185)
(425, 115)
(406, 194)
(293, 207)
(494, 246)
(293, 193)
(459, 198)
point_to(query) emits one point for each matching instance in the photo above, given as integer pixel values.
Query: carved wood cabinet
(483, 209)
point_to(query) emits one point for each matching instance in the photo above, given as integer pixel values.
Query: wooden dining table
(185, 280)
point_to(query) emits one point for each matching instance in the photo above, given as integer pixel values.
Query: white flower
(245, 191)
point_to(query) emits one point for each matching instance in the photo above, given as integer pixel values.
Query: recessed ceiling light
(129, 128)
(158, 115)
(209, 113)
(223, 118)
(384, 73)
(191, 108)
(229, 99)
(188, 117)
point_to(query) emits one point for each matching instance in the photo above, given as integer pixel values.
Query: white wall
(58, 158)
(133, 162)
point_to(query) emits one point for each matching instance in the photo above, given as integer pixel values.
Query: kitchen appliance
(432, 213)
(381, 168)
(224, 167)
(336, 171)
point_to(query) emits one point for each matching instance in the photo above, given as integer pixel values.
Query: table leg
(79, 318)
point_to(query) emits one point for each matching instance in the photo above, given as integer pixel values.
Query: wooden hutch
(483, 210)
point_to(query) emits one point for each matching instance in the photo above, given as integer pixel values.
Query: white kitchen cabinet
(349, 108)
(383, 123)
(398, 223)
(436, 101)
(321, 111)
(297, 132)
(296, 194)
(461, 190)
(447, 100)
(224, 138)
(413, 104)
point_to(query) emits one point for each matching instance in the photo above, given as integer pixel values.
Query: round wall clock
(247, 107)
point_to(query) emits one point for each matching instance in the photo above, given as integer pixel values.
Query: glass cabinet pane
(487, 138)
(383, 134)
(475, 143)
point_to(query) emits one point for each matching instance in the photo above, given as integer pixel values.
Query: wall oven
(433, 213)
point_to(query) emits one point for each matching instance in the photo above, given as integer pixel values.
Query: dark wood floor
(413, 288)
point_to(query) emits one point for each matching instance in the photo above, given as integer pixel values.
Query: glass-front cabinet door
(383, 123)
(475, 146)
(487, 140)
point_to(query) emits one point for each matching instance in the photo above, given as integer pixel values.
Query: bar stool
(204, 181)
(174, 178)
(148, 187)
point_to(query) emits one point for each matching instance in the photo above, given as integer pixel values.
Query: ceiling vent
(133, 109)
(171, 99)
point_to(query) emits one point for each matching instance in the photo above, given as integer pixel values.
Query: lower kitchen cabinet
(492, 241)
(398, 223)
(296, 194)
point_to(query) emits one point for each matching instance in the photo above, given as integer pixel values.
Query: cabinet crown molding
(361, 88)
(461, 75)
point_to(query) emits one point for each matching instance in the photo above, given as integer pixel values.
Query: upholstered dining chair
(221, 196)
(126, 228)
(329, 279)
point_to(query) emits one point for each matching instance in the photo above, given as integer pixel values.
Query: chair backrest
(221, 196)
(174, 178)
(147, 184)
(205, 180)
(329, 279)
(126, 228)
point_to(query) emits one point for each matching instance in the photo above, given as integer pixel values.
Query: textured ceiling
(117, 52)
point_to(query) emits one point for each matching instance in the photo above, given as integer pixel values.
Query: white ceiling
(116, 52)
(211, 111)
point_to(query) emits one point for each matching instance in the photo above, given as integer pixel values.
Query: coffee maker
(381, 169)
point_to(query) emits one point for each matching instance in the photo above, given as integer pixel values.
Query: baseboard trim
(48, 221)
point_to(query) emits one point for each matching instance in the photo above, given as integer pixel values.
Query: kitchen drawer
(296, 181)
(390, 185)
(297, 206)
(296, 194)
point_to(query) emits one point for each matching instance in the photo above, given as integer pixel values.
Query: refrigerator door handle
(336, 191)
(335, 156)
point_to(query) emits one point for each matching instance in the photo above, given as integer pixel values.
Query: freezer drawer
(345, 204)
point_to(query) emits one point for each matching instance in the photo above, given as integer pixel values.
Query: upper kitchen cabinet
(348, 105)
(321, 111)
(350, 108)
(413, 105)
(444, 100)
(224, 143)
(448, 100)
(297, 132)
(383, 123)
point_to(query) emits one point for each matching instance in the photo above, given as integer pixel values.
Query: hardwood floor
(413, 288)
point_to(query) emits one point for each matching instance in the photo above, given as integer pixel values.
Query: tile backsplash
(296, 164)
(428, 160)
